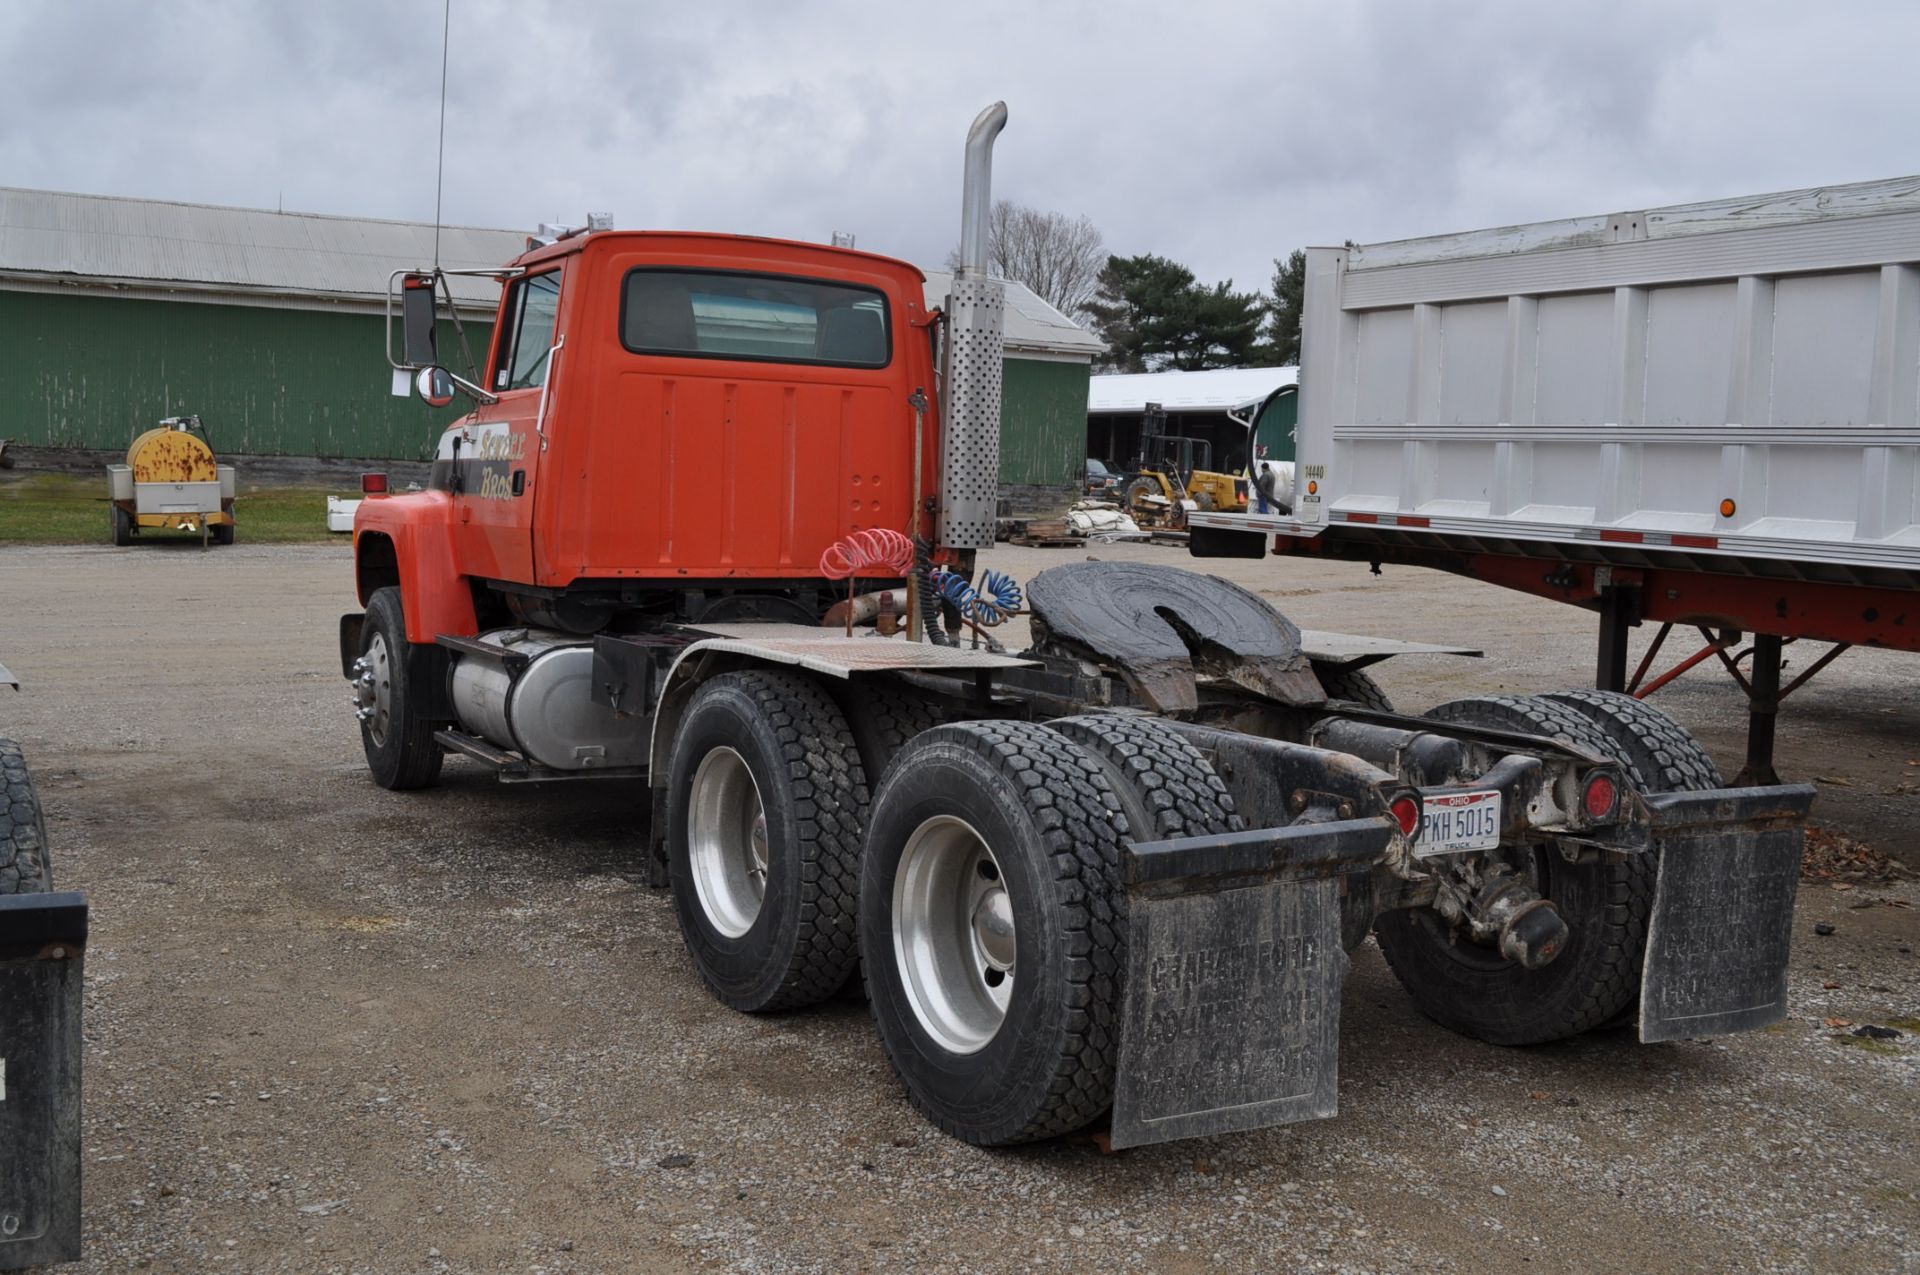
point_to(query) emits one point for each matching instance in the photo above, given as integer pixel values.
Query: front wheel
(401, 751)
(993, 929)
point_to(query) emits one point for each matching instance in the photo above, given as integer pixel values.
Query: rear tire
(1658, 752)
(1017, 831)
(24, 864)
(401, 751)
(120, 525)
(766, 814)
(1351, 684)
(1166, 786)
(1475, 991)
(223, 533)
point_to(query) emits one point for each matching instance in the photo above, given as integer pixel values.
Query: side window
(533, 309)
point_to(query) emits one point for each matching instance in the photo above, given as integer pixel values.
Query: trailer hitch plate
(1722, 918)
(1232, 1009)
(42, 942)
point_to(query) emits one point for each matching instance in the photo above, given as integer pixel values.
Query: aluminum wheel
(953, 934)
(373, 690)
(727, 842)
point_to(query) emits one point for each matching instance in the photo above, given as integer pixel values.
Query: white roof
(1219, 390)
(1031, 324)
(212, 248)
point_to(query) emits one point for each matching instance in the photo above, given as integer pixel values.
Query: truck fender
(402, 540)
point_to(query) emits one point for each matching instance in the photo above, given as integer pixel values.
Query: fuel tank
(535, 697)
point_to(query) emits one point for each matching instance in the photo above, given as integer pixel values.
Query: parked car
(1102, 481)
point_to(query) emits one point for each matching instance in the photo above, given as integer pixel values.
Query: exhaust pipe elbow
(976, 192)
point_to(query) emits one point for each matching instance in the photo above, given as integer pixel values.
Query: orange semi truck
(1110, 877)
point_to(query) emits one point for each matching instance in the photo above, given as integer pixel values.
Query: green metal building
(116, 312)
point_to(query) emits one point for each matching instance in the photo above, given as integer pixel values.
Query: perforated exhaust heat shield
(970, 426)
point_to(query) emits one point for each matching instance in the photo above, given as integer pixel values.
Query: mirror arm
(473, 391)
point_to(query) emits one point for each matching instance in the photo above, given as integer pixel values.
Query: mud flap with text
(42, 940)
(1722, 918)
(1232, 1011)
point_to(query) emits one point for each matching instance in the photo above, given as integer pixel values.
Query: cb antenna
(440, 168)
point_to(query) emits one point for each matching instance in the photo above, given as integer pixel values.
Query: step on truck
(714, 523)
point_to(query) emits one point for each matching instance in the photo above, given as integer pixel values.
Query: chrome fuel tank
(536, 697)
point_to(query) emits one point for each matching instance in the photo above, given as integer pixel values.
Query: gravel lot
(337, 1029)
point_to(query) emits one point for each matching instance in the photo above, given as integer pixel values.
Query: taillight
(373, 484)
(1601, 796)
(1406, 811)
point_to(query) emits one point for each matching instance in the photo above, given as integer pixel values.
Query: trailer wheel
(24, 865)
(1473, 989)
(1166, 786)
(993, 927)
(399, 742)
(1351, 684)
(121, 524)
(223, 533)
(766, 811)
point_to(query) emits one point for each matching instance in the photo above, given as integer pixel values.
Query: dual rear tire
(978, 889)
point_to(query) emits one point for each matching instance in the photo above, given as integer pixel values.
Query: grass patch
(71, 509)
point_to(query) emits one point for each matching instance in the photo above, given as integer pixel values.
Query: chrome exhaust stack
(970, 365)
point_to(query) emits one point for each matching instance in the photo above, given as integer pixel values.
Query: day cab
(674, 423)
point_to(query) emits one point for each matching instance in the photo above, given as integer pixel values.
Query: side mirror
(417, 320)
(434, 385)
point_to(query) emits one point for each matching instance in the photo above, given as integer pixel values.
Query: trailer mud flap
(42, 942)
(1722, 918)
(1232, 1012)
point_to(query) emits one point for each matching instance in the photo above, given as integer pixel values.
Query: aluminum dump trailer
(1706, 415)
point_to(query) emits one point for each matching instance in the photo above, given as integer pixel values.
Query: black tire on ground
(121, 525)
(1166, 786)
(223, 533)
(1660, 755)
(1047, 813)
(1475, 991)
(24, 864)
(1658, 752)
(1354, 685)
(400, 748)
(801, 941)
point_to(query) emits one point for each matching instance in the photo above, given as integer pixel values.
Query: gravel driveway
(333, 1028)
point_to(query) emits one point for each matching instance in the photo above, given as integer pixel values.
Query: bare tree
(1057, 256)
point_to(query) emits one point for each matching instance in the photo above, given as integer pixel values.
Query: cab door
(496, 452)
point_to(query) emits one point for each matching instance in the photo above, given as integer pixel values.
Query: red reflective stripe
(1363, 517)
(1697, 542)
(1624, 537)
(1408, 520)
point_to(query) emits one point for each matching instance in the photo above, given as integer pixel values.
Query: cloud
(1222, 135)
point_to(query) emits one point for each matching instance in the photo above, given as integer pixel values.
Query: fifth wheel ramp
(1162, 627)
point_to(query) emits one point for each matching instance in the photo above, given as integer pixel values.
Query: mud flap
(42, 942)
(1722, 918)
(1232, 1012)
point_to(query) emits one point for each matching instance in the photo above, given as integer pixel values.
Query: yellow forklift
(1175, 474)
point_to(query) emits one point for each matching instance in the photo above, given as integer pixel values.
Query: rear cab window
(526, 341)
(720, 314)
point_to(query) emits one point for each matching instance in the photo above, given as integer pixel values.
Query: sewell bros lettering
(498, 453)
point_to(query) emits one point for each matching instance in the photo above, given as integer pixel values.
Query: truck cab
(668, 422)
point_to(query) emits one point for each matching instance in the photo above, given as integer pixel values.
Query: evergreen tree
(1288, 300)
(1154, 315)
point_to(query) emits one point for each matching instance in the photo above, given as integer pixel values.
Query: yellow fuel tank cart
(172, 482)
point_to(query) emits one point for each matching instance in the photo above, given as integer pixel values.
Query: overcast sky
(1221, 135)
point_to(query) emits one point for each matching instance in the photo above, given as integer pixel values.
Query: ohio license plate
(1456, 822)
